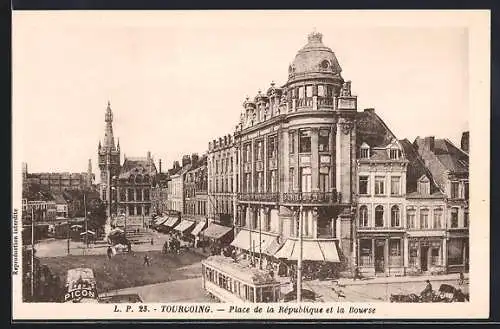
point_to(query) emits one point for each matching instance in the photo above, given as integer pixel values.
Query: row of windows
(222, 166)
(380, 185)
(394, 154)
(459, 190)
(424, 221)
(272, 149)
(222, 185)
(137, 210)
(308, 91)
(134, 194)
(139, 179)
(196, 208)
(240, 289)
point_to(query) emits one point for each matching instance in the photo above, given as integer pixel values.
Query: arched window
(131, 179)
(138, 179)
(395, 216)
(146, 179)
(363, 216)
(379, 216)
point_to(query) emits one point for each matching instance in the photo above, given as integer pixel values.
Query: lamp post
(32, 252)
(299, 260)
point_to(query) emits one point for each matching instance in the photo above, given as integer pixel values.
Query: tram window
(267, 294)
(259, 295)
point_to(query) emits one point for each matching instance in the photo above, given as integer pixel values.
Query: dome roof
(314, 57)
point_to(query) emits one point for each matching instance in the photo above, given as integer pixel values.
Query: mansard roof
(137, 166)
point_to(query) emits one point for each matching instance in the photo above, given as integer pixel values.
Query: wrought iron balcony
(265, 197)
(311, 197)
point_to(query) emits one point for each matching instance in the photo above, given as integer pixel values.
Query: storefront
(257, 245)
(200, 226)
(218, 235)
(426, 255)
(458, 253)
(380, 254)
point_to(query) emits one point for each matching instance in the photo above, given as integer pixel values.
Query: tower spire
(109, 141)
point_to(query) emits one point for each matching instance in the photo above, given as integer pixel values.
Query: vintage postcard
(250, 164)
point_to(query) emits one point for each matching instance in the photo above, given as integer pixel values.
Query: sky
(177, 80)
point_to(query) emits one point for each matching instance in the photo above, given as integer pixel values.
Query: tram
(232, 282)
(81, 286)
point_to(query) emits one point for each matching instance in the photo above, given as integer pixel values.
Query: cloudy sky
(177, 80)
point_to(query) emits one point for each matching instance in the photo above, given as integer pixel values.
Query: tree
(96, 212)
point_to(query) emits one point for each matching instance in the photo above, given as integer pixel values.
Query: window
(365, 252)
(363, 185)
(291, 139)
(379, 185)
(323, 140)
(272, 182)
(258, 150)
(324, 175)
(456, 252)
(424, 186)
(438, 215)
(146, 195)
(395, 185)
(305, 180)
(248, 183)
(435, 256)
(466, 190)
(260, 182)
(379, 216)
(321, 91)
(365, 153)
(454, 190)
(424, 218)
(272, 148)
(410, 218)
(395, 258)
(247, 156)
(466, 218)
(363, 216)
(309, 91)
(413, 253)
(454, 218)
(395, 216)
(394, 154)
(301, 92)
(291, 179)
(304, 141)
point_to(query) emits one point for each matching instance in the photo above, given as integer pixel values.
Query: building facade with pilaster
(297, 145)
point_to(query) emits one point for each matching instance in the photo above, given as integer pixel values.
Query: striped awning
(198, 228)
(253, 241)
(160, 220)
(314, 250)
(184, 225)
(216, 231)
(171, 222)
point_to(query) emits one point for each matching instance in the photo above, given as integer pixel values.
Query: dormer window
(365, 151)
(395, 154)
(424, 185)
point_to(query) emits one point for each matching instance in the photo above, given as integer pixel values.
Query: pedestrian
(109, 252)
(428, 289)
(357, 274)
(146, 261)
(152, 241)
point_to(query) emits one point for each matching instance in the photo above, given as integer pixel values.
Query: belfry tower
(109, 161)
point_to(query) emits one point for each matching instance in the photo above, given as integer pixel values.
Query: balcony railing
(311, 197)
(267, 197)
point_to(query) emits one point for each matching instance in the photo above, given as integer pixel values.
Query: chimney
(149, 155)
(464, 143)
(429, 143)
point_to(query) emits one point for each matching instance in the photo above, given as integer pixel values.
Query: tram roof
(240, 271)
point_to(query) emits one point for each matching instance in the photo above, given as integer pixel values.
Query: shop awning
(216, 231)
(254, 241)
(184, 225)
(160, 220)
(314, 250)
(171, 222)
(198, 228)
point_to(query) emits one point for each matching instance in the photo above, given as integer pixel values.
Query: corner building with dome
(299, 150)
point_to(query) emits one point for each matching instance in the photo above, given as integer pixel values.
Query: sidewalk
(398, 279)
